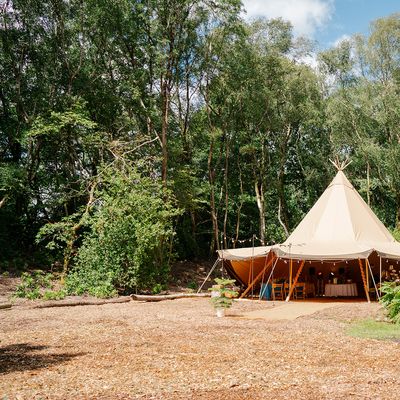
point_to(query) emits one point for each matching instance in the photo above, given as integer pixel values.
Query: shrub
(54, 295)
(127, 246)
(391, 300)
(33, 286)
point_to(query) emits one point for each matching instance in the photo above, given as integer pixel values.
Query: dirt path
(179, 350)
(289, 311)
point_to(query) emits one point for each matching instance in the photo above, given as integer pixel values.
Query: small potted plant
(222, 295)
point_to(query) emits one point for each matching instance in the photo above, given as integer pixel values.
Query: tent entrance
(329, 279)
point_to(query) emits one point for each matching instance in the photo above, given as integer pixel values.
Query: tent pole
(211, 270)
(380, 275)
(373, 280)
(291, 290)
(272, 270)
(290, 275)
(364, 280)
(262, 279)
(257, 278)
(252, 267)
(367, 273)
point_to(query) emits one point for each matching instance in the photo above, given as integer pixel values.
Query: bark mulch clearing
(178, 350)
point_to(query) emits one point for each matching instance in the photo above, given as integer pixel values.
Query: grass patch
(371, 329)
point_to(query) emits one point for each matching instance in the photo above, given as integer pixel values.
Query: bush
(33, 286)
(127, 246)
(391, 300)
(54, 295)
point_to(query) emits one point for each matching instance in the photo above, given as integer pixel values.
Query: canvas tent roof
(339, 226)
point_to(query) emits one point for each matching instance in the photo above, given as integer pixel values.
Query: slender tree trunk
(259, 189)
(283, 219)
(239, 210)
(226, 189)
(280, 219)
(214, 216)
(164, 130)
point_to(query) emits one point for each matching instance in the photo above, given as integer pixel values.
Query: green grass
(371, 329)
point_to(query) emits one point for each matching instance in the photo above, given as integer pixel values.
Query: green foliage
(396, 234)
(192, 285)
(158, 288)
(391, 300)
(54, 295)
(128, 245)
(224, 111)
(223, 293)
(32, 284)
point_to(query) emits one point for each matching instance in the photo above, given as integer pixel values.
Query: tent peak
(341, 165)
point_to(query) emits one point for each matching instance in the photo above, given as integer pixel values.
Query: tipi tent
(339, 228)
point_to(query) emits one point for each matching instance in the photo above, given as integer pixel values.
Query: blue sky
(327, 21)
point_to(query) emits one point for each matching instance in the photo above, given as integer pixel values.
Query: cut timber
(141, 297)
(81, 302)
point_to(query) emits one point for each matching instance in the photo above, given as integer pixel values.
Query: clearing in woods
(178, 350)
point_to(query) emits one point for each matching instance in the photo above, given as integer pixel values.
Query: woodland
(137, 133)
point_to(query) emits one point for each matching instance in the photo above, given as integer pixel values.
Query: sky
(326, 21)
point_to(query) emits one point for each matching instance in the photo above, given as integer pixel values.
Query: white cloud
(306, 16)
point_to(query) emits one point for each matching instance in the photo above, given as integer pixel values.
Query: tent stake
(296, 278)
(364, 280)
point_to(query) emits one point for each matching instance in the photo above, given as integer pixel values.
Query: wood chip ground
(179, 350)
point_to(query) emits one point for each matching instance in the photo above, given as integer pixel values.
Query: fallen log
(4, 306)
(82, 302)
(142, 297)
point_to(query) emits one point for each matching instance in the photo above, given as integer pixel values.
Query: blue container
(266, 291)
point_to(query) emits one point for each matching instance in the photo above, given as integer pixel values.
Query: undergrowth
(39, 285)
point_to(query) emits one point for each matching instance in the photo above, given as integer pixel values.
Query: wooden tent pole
(290, 275)
(257, 278)
(296, 278)
(364, 280)
(367, 273)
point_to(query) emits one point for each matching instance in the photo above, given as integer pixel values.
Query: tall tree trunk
(283, 216)
(259, 189)
(226, 190)
(214, 215)
(239, 207)
(164, 130)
